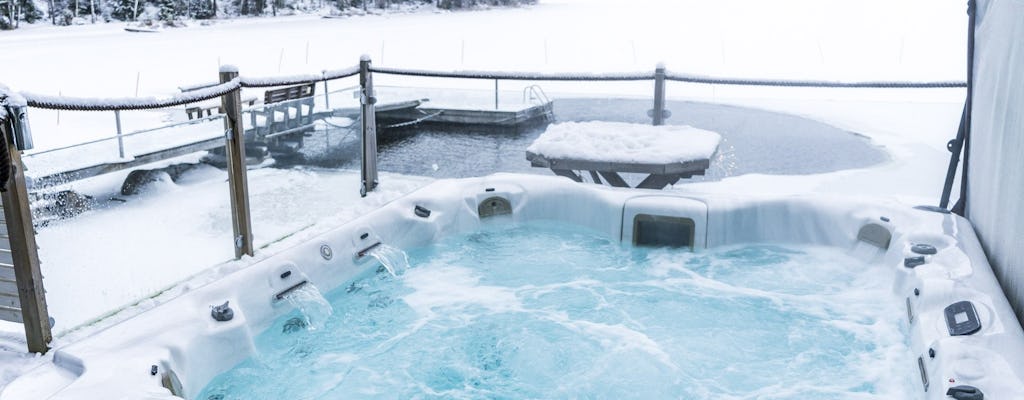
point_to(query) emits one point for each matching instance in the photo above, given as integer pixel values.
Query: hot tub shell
(188, 347)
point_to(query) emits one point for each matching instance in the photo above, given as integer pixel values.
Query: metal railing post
(120, 139)
(234, 146)
(367, 99)
(495, 94)
(658, 115)
(327, 95)
(24, 253)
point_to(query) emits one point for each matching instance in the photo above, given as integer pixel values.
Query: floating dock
(500, 119)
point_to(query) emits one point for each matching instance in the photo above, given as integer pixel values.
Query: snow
(12, 98)
(625, 143)
(127, 253)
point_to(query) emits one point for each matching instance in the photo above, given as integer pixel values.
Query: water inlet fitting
(222, 312)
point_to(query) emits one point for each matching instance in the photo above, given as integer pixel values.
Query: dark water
(753, 141)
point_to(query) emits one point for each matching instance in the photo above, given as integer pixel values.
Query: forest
(178, 12)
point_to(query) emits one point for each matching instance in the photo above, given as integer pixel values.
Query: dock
(280, 129)
(500, 119)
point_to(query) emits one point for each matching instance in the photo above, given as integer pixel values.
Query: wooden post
(367, 100)
(24, 254)
(658, 115)
(234, 149)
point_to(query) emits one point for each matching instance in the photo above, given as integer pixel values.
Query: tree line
(173, 12)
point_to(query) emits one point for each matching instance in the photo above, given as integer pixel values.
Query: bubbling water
(548, 311)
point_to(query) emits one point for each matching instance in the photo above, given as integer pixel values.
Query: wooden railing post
(658, 114)
(238, 182)
(367, 99)
(24, 254)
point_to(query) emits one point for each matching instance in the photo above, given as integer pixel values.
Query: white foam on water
(616, 338)
(449, 287)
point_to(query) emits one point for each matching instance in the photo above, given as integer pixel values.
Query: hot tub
(956, 327)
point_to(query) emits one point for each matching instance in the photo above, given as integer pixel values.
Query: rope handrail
(678, 77)
(129, 103)
(207, 91)
(672, 76)
(261, 82)
(340, 73)
(519, 76)
(299, 79)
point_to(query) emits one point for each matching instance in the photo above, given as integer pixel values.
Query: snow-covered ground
(123, 255)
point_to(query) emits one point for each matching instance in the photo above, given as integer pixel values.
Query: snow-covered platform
(666, 153)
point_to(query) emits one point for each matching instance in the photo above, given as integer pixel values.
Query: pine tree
(170, 10)
(203, 9)
(123, 10)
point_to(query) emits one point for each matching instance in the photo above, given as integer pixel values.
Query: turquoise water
(546, 311)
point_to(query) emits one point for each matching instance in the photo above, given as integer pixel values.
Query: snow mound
(625, 143)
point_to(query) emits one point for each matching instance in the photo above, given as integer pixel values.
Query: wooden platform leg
(568, 174)
(658, 181)
(614, 179)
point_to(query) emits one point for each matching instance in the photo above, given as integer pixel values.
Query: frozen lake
(754, 141)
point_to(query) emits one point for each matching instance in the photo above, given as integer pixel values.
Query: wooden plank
(32, 296)
(9, 287)
(7, 300)
(238, 182)
(7, 272)
(289, 93)
(10, 314)
(5, 254)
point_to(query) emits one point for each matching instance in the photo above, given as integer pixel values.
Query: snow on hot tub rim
(180, 337)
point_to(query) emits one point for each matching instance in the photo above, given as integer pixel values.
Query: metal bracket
(367, 99)
(21, 131)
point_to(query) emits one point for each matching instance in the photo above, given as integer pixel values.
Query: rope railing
(519, 76)
(129, 103)
(688, 78)
(207, 91)
(669, 75)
